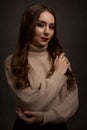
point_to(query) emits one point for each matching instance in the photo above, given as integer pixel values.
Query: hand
(30, 117)
(61, 63)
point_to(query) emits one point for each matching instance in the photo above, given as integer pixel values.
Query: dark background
(72, 34)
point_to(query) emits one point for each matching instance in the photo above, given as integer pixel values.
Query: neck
(33, 48)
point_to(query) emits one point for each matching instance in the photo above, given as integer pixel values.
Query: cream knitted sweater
(49, 95)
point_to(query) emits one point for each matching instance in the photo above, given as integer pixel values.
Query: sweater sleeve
(36, 99)
(63, 111)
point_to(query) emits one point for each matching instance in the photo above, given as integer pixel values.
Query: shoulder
(7, 61)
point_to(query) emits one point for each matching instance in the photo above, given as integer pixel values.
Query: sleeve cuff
(48, 117)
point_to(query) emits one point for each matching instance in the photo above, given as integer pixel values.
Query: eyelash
(42, 25)
(52, 27)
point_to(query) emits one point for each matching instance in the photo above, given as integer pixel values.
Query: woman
(40, 75)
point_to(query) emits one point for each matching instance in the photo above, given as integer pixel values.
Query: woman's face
(44, 29)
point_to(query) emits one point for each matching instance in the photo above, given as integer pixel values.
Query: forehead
(47, 17)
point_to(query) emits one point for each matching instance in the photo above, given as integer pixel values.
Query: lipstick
(44, 39)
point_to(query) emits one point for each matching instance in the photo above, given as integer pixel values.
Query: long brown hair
(19, 62)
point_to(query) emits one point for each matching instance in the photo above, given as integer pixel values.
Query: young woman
(40, 74)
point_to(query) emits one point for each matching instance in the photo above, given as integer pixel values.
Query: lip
(44, 38)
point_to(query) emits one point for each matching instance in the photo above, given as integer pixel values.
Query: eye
(52, 27)
(39, 24)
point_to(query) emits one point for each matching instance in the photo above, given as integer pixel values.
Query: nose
(46, 31)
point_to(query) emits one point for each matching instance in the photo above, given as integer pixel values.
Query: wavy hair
(19, 62)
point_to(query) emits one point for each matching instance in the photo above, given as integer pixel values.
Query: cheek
(38, 31)
(52, 33)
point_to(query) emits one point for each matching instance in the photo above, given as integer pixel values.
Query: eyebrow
(45, 22)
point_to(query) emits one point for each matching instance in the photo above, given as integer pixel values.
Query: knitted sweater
(48, 95)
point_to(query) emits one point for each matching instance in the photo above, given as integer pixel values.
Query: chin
(44, 44)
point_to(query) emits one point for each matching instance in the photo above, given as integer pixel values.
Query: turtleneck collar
(35, 49)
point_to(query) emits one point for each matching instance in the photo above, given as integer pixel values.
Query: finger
(19, 109)
(68, 64)
(56, 59)
(29, 120)
(20, 113)
(62, 55)
(26, 119)
(30, 113)
(66, 60)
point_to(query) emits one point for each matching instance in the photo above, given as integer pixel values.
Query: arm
(34, 99)
(55, 114)
(64, 110)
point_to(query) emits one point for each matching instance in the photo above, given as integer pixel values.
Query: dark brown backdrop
(72, 31)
